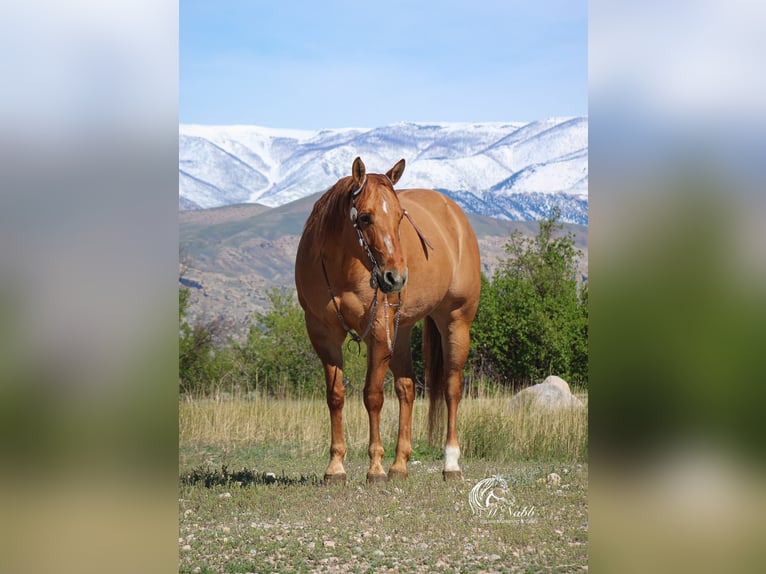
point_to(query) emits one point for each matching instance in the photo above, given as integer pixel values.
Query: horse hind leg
(455, 350)
(401, 366)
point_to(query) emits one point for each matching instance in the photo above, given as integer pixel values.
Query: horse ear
(358, 172)
(395, 173)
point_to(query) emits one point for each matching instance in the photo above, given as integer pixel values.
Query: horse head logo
(489, 495)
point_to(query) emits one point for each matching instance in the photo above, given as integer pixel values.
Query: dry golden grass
(488, 427)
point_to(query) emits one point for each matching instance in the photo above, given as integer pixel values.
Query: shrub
(533, 315)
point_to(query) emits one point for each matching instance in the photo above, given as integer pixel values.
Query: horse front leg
(336, 397)
(331, 355)
(377, 365)
(401, 366)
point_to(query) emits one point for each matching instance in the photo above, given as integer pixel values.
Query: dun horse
(362, 270)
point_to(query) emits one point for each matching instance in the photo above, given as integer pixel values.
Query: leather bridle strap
(423, 239)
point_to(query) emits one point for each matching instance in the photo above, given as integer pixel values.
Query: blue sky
(330, 64)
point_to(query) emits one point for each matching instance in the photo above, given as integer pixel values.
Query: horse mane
(328, 214)
(331, 211)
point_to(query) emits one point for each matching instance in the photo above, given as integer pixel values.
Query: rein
(355, 337)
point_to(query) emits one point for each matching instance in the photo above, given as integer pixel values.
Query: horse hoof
(396, 474)
(376, 478)
(339, 478)
(452, 475)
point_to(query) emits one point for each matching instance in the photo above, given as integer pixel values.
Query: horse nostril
(390, 278)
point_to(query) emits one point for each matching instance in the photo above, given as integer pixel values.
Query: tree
(532, 318)
(277, 355)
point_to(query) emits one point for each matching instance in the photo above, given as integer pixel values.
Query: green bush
(533, 314)
(277, 355)
(278, 358)
(205, 360)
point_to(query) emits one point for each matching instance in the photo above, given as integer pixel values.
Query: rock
(553, 393)
(558, 382)
(378, 553)
(553, 478)
(329, 544)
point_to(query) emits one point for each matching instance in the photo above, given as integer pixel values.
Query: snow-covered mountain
(517, 171)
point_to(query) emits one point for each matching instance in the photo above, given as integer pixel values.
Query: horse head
(376, 215)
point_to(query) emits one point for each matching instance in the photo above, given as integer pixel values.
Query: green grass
(423, 524)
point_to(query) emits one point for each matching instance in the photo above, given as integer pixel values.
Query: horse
(362, 271)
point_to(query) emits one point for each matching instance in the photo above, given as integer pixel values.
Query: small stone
(186, 547)
(358, 549)
(329, 544)
(226, 529)
(378, 553)
(311, 545)
(188, 511)
(225, 495)
(493, 557)
(253, 552)
(553, 478)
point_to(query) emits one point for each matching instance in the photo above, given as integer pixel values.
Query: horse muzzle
(392, 281)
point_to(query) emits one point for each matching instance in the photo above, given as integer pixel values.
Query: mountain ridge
(508, 170)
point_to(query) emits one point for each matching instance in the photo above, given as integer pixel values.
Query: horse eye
(365, 219)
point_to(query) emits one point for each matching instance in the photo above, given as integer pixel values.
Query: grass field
(422, 524)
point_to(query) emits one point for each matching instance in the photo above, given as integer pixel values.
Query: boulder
(559, 382)
(552, 393)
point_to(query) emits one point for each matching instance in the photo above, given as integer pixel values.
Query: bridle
(374, 272)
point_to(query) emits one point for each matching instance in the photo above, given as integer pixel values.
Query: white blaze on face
(389, 244)
(451, 456)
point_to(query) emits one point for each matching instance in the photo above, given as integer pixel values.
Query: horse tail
(435, 380)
